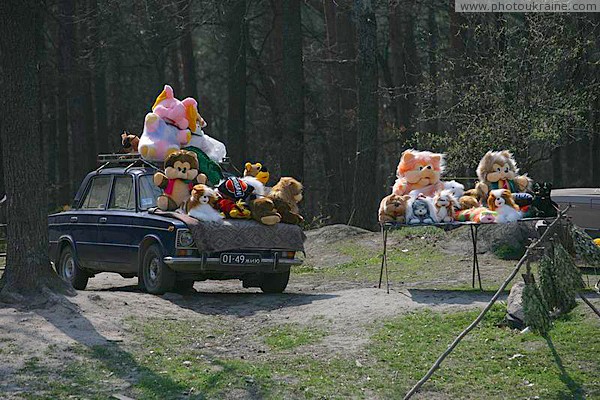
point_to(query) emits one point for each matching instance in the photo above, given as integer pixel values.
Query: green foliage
(585, 248)
(537, 317)
(559, 280)
(507, 252)
(289, 336)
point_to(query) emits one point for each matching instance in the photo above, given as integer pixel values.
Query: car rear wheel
(70, 271)
(158, 277)
(275, 282)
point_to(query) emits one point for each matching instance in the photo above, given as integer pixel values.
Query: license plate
(240, 259)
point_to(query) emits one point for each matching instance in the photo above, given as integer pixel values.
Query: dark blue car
(109, 229)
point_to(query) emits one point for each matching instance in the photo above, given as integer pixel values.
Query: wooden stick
(473, 324)
(589, 304)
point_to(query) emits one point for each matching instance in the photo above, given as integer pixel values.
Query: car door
(115, 230)
(84, 222)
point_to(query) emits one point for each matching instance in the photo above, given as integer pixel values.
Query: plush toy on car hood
(234, 195)
(286, 195)
(202, 203)
(180, 176)
(419, 171)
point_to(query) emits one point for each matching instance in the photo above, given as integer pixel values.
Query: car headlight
(184, 238)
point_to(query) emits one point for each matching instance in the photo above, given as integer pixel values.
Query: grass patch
(289, 336)
(172, 360)
(507, 252)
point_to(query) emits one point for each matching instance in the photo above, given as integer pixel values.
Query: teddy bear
(263, 210)
(498, 170)
(233, 199)
(542, 204)
(393, 208)
(180, 176)
(202, 204)
(501, 201)
(130, 142)
(160, 139)
(421, 210)
(181, 113)
(258, 171)
(286, 195)
(446, 205)
(419, 171)
(214, 150)
(472, 198)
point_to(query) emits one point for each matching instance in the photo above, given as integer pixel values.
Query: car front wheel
(157, 276)
(275, 282)
(70, 271)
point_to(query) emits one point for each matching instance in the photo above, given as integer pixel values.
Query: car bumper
(210, 264)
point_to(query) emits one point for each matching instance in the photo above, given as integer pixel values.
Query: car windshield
(149, 192)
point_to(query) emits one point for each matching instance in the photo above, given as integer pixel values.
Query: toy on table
(421, 210)
(498, 170)
(481, 215)
(472, 198)
(286, 195)
(180, 176)
(202, 204)
(501, 201)
(233, 198)
(446, 205)
(419, 171)
(392, 208)
(129, 142)
(542, 204)
(263, 210)
(457, 189)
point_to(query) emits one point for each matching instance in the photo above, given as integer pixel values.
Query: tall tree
(28, 275)
(365, 185)
(292, 145)
(237, 37)
(186, 45)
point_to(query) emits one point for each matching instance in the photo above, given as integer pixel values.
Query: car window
(149, 192)
(123, 195)
(97, 195)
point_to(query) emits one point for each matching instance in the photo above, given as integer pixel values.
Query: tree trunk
(236, 82)
(292, 149)
(187, 51)
(66, 37)
(28, 275)
(365, 183)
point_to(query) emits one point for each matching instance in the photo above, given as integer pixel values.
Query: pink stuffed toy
(419, 171)
(159, 139)
(182, 114)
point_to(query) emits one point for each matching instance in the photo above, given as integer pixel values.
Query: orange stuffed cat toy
(420, 171)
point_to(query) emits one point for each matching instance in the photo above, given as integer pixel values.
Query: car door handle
(73, 219)
(102, 220)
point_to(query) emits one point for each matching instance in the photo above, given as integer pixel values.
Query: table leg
(474, 231)
(384, 255)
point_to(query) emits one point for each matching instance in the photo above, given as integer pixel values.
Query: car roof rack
(129, 160)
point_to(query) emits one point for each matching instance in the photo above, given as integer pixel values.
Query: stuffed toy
(233, 198)
(481, 215)
(258, 171)
(130, 142)
(457, 189)
(393, 209)
(420, 210)
(202, 203)
(501, 201)
(446, 205)
(263, 210)
(180, 176)
(286, 195)
(160, 139)
(419, 171)
(259, 189)
(213, 149)
(498, 170)
(542, 204)
(597, 242)
(472, 198)
(181, 113)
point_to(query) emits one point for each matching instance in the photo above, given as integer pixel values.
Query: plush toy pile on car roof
(419, 172)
